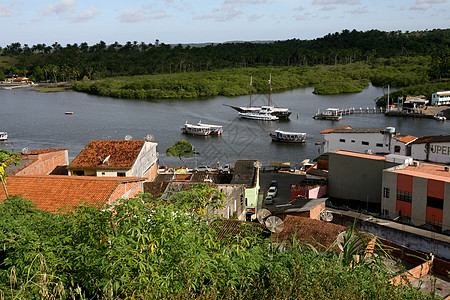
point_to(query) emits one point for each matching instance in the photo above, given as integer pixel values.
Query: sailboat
(279, 112)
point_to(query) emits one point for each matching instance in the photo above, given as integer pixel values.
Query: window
(353, 141)
(386, 192)
(379, 145)
(120, 174)
(103, 173)
(435, 202)
(365, 143)
(396, 149)
(404, 196)
(342, 140)
(78, 173)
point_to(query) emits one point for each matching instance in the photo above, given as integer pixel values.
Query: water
(37, 120)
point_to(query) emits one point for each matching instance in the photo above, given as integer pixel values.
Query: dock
(335, 114)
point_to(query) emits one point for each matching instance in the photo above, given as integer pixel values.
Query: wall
(146, 159)
(434, 152)
(111, 173)
(332, 142)
(234, 205)
(45, 163)
(126, 190)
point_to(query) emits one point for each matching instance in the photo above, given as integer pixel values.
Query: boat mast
(388, 98)
(251, 77)
(269, 102)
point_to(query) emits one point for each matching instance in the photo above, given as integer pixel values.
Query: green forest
(341, 62)
(147, 248)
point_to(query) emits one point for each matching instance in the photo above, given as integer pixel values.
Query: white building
(367, 140)
(440, 98)
(432, 148)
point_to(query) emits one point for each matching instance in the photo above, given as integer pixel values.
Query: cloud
(254, 17)
(360, 11)
(131, 16)
(6, 10)
(302, 17)
(222, 14)
(328, 2)
(86, 15)
(158, 15)
(328, 8)
(239, 2)
(426, 4)
(61, 7)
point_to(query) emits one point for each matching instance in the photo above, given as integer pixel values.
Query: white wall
(378, 142)
(438, 152)
(146, 158)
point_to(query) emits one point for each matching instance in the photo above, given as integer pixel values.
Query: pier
(336, 114)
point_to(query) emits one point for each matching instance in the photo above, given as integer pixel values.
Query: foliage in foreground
(146, 250)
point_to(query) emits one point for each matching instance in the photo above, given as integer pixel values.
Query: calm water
(37, 120)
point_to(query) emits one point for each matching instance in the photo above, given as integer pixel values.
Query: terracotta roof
(122, 155)
(361, 155)
(432, 139)
(318, 233)
(50, 192)
(333, 129)
(426, 170)
(407, 139)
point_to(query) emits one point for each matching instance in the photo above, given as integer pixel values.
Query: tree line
(56, 62)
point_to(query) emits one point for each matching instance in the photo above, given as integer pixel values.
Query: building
(40, 162)
(418, 193)
(440, 98)
(356, 178)
(367, 140)
(246, 172)
(53, 192)
(432, 148)
(125, 158)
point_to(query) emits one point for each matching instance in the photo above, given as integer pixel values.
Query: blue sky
(181, 21)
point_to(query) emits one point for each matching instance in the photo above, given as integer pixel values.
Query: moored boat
(288, 137)
(214, 129)
(439, 117)
(333, 114)
(195, 129)
(258, 116)
(3, 135)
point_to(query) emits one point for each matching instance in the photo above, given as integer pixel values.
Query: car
(274, 183)
(269, 200)
(225, 169)
(272, 191)
(203, 169)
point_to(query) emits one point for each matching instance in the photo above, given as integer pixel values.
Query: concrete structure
(432, 148)
(358, 177)
(53, 192)
(40, 162)
(367, 140)
(246, 172)
(440, 98)
(418, 193)
(116, 159)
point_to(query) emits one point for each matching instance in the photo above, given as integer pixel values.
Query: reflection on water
(38, 120)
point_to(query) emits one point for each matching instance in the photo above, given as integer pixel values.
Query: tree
(181, 149)
(6, 158)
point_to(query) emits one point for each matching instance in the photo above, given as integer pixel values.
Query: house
(440, 98)
(40, 162)
(53, 192)
(356, 178)
(120, 158)
(246, 172)
(418, 193)
(367, 140)
(432, 148)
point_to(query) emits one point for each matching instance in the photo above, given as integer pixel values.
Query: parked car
(225, 168)
(272, 191)
(274, 183)
(203, 169)
(269, 200)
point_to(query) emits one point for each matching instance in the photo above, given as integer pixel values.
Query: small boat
(195, 129)
(3, 136)
(215, 129)
(288, 137)
(439, 117)
(333, 114)
(69, 113)
(258, 116)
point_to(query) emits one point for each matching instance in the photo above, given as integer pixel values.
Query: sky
(208, 21)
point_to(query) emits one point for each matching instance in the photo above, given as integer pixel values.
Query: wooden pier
(336, 114)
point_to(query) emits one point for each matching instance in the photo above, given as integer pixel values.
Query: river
(38, 120)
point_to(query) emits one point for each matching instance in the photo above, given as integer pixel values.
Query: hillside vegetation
(337, 63)
(147, 249)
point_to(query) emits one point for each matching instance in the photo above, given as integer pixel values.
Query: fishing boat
(280, 112)
(195, 129)
(288, 137)
(333, 114)
(439, 117)
(214, 129)
(261, 116)
(3, 136)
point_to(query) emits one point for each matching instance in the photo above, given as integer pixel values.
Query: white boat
(195, 129)
(329, 114)
(288, 137)
(215, 129)
(439, 117)
(258, 116)
(3, 136)
(280, 112)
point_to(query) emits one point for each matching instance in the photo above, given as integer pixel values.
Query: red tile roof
(122, 155)
(333, 129)
(361, 155)
(318, 233)
(50, 192)
(407, 139)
